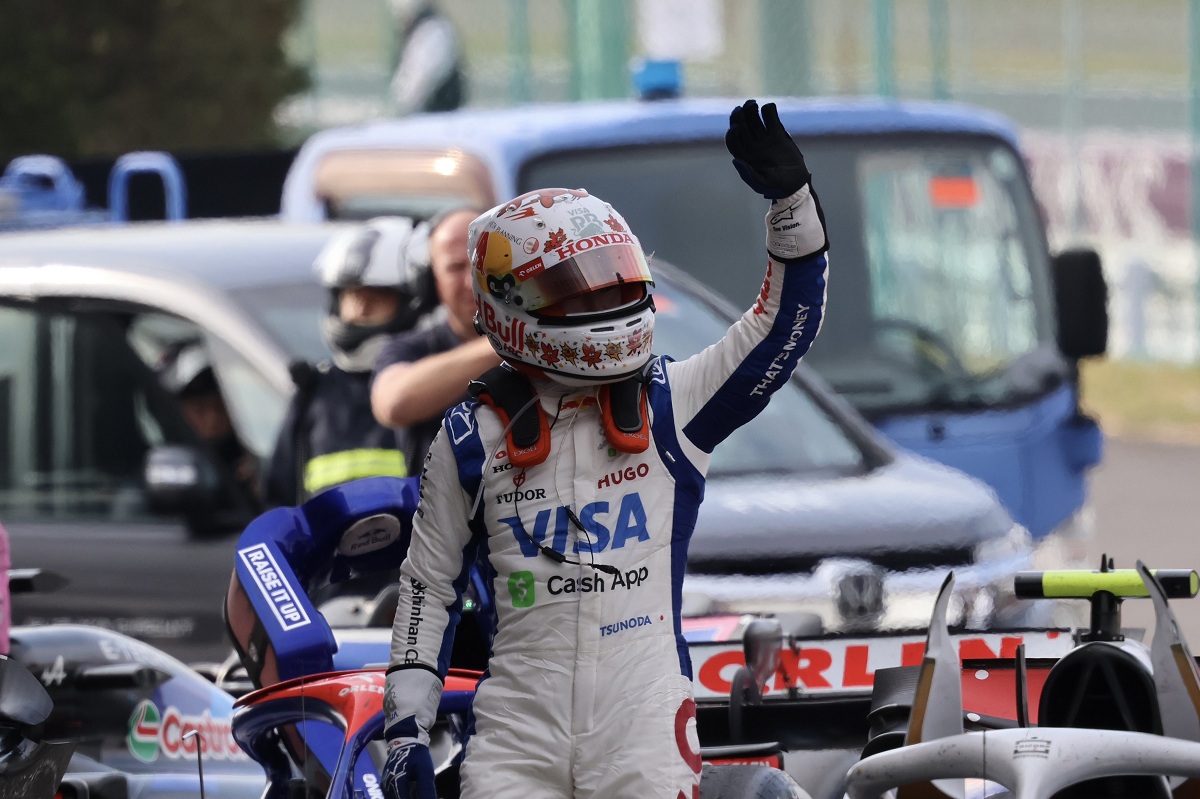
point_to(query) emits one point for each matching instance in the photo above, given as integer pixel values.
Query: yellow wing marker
(1077, 584)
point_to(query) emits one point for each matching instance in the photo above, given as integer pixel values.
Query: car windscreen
(793, 433)
(939, 275)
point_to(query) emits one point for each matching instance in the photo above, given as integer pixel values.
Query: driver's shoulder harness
(623, 411)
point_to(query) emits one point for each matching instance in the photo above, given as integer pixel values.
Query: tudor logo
(370, 534)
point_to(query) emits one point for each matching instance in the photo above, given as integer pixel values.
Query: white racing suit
(588, 691)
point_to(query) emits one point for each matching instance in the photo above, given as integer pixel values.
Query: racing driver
(575, 478)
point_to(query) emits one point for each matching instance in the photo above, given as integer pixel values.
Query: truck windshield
(939, 270)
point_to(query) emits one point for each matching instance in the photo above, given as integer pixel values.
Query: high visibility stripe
(336, 468)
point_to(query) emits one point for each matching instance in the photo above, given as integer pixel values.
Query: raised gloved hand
(408, 771)
(764, 153)
(771, 164)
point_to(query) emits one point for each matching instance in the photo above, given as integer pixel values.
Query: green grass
(1152, 401)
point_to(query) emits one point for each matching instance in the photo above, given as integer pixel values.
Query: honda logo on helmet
(583, 245)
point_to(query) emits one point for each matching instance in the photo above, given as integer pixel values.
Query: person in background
(429, 73)
(420, 374)
(379, 284)
(186, 372)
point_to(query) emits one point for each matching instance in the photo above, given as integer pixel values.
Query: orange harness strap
(625, 416)
(507, 392)
(623, 410)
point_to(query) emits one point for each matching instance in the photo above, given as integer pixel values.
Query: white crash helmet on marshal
(562, 286)
(386, 253)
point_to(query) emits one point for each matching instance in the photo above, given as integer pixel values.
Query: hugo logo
(628, 474)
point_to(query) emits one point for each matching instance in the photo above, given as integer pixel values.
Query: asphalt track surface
(1147, 502)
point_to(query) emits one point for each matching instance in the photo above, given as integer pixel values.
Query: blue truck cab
(950, 326)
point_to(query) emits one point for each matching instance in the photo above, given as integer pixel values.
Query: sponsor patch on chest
(609, 526)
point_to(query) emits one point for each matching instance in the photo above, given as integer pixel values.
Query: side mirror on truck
(1081, 300)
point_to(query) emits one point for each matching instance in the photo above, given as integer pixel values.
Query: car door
(79, 412)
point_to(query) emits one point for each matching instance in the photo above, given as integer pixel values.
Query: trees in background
(81, 78)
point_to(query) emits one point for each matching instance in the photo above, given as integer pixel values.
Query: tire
(748, 782)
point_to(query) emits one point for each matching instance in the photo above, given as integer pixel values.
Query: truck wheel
(748, 782)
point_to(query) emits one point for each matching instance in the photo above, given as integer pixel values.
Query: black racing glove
(764, 153)
(771, 164)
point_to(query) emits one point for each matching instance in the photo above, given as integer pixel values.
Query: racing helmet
(562, 287)
(386, 252)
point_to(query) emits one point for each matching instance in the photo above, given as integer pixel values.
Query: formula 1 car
(87, 713)
(1111, 718)
(139, 723)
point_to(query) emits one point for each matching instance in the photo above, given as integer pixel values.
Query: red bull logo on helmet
(509, 334)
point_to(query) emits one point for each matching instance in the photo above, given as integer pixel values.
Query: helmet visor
(613, 265)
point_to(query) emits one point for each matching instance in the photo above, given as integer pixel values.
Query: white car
(808, 510)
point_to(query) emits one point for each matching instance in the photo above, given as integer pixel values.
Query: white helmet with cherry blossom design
(562, 287)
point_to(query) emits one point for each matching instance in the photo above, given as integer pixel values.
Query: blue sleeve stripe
(771, 363)
(689, 491)
(485, 577)
(658, 390)
(454, 609)
(681, 535)
(462, 430)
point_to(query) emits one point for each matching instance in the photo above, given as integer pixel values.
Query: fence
(1105, 92)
